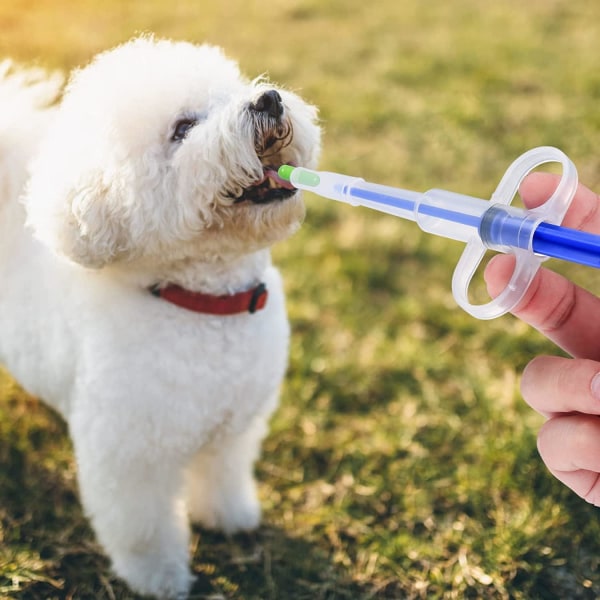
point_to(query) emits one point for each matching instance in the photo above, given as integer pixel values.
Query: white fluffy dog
(136, 218)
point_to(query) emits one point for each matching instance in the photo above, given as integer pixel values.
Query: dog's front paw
(230, 513)
(150, 575)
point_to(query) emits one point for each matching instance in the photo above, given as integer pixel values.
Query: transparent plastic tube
(443, 213)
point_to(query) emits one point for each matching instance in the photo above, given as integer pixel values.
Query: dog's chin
(260, 218)
(270, 188)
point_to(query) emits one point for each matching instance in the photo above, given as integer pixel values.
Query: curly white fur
(166, 407)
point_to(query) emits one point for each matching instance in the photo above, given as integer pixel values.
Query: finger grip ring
(527, 262)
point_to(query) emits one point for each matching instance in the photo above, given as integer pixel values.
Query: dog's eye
(182, 128)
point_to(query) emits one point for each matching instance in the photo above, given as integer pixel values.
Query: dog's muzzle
(272, 134)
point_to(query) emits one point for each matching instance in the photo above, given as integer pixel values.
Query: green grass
(402, 462)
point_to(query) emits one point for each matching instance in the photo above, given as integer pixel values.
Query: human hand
(566, 391)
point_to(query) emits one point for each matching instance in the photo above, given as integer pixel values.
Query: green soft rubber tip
(285, 172)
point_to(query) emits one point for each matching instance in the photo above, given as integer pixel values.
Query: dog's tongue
(272, 174)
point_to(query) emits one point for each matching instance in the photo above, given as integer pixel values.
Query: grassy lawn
(402, 462)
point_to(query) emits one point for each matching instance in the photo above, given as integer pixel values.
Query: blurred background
(402, 462)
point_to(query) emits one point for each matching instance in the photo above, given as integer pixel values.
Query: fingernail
(595, 386)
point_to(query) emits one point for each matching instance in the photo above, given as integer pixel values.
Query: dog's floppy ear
(77, 214)
(76, 194)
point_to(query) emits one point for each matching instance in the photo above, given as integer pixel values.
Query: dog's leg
(133, 497)
(221, 488)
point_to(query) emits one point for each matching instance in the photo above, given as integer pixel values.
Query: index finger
(584, 212)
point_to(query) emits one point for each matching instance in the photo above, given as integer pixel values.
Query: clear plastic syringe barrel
(447, 214)
(451, 215)
(443, 213)
(440, 212)
(460, 217)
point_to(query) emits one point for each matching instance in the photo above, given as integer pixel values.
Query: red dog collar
(249, 301)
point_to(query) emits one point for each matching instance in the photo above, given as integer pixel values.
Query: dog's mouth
(273, 133)
(270, 188)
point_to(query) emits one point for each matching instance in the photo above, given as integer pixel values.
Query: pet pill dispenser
(531, 235)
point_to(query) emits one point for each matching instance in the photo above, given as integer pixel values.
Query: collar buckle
(258, 298)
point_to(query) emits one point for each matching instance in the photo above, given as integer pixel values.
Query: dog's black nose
(269, 102)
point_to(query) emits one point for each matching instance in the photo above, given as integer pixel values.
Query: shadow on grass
(47, 548)
(269, 564)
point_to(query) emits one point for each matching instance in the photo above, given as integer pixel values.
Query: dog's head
(161, 150)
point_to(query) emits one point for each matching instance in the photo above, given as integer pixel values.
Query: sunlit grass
(402, 462)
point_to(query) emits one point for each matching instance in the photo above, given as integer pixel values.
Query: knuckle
(559, 313)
